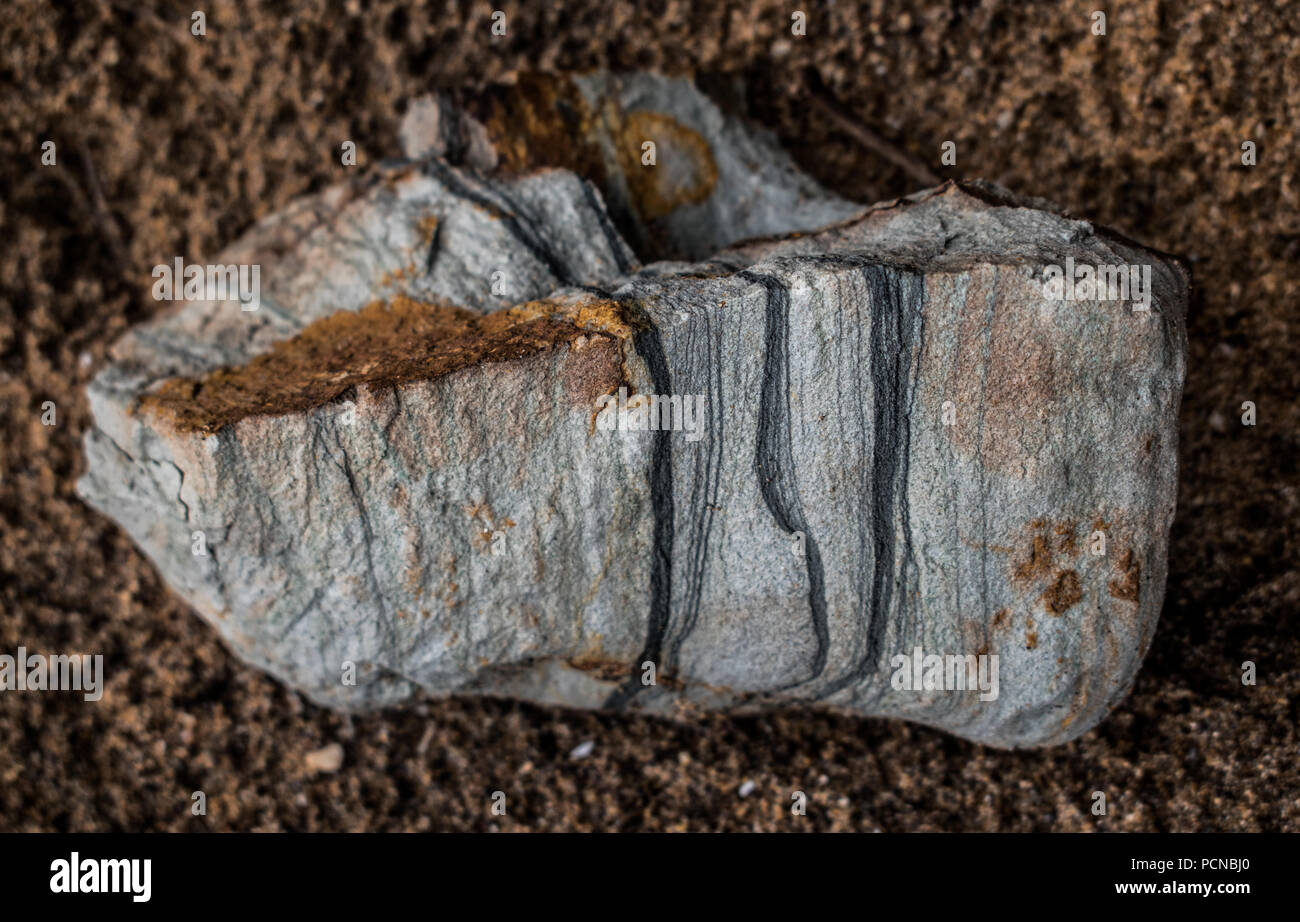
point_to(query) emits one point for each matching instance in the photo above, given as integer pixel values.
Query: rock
(326, 760)
(715, 181)
(898, 437)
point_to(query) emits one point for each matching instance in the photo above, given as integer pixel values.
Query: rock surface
(399, 464)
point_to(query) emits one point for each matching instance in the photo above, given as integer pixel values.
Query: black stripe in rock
(895, 307)
(774, 458)
(705, 483)
(649, 346)
(612, 237)
(522, 231)
(435, 246)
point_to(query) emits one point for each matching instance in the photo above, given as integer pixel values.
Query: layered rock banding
(411, 467)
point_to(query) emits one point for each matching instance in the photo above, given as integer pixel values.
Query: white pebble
(326, 759)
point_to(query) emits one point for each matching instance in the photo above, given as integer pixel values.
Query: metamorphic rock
(593, 398)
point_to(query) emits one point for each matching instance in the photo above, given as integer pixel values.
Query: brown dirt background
(172, 145)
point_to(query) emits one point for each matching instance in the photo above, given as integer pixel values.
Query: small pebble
(326, 759)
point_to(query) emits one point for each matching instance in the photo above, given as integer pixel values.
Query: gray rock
(715, 181)
(901, 439)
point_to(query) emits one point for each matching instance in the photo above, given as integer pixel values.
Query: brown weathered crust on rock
(384, 343)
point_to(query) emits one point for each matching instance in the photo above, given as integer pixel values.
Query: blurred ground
(171, 145)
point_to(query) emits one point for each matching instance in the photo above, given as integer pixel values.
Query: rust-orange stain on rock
(1064, 593)
(1065, 540)
(388, 344)
(684, 171)
(604, 670)
(1126, 585)
(1061, 587)
(545, 121)
(1037, 563)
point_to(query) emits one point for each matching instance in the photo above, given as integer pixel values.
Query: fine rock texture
(399, 473)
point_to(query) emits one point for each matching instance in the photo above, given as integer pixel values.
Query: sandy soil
(171, 145)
